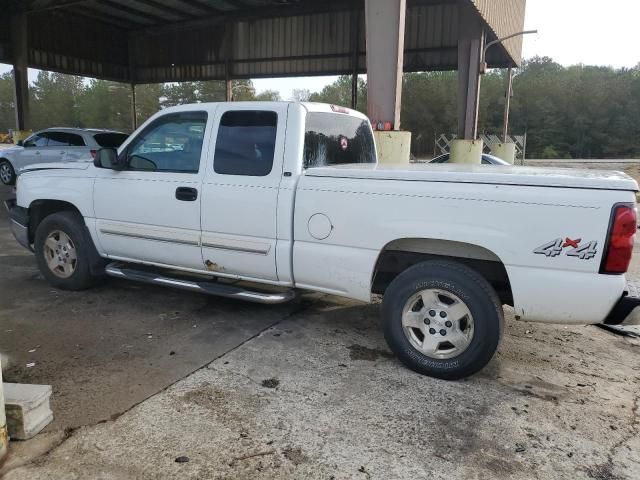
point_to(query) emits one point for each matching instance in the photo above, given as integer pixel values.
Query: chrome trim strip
(149, 237)
(259, 251)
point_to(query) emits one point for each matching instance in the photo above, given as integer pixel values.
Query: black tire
(476, 294)
(11, 180)
(71, 224)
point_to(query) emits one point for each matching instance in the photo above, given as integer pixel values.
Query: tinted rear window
(337, 139)
(112, 140)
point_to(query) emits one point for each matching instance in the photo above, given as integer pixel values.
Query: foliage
(58, 100)
(567, 112)
(339, 93)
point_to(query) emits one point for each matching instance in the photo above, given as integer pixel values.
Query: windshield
(337, 139)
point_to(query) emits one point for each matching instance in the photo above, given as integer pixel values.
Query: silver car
(486, 160)
(56, 145)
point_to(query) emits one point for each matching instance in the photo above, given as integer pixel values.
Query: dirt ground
(302, 391)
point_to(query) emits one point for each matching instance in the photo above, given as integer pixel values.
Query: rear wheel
(442, 319)
(7, 173)
(63, 251)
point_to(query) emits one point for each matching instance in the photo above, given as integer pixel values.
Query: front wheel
(7, 173)
(442, 319)
(63, 251)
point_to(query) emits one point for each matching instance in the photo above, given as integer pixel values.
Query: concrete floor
(301, 391)
(109, 348)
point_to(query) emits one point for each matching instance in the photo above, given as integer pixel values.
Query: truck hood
(56, 166)
(487, 174)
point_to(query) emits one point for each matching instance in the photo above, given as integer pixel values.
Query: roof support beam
(129, 10)
(164, 8)
(385, 20)
(20, 48)
(471, 42)
(107, 18)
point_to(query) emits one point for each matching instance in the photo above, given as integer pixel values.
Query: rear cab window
(246, 143)
(337, 139)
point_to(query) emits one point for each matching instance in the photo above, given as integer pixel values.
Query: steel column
(131, 46)
(385, 21)
(470, 46)
(507, 104)
(134, 110)
(20, 53)
(355, 47)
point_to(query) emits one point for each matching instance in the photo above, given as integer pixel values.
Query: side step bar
(119, 270)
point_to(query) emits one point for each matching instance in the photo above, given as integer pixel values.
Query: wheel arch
(402, 253)
(42, 208)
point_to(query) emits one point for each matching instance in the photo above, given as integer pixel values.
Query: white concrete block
(4, 438)
(27, 408)
(466, 151)
(505, 151)
(394, 147)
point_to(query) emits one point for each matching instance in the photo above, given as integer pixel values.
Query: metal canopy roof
(144, 41)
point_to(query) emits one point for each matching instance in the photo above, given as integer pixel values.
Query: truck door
(150, 212)
(240, 190)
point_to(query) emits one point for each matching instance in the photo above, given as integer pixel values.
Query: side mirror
(108, 158)
(20, 143)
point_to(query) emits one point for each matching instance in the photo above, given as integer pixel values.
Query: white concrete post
(467, 148)
(19, 45)
(385, 25)
(4, 436)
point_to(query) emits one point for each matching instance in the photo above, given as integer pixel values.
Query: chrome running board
(119, 270)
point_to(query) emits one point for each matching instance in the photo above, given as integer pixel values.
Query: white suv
(56, 145)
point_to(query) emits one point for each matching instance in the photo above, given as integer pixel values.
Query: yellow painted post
(21, 135)
(466, 151)
(4, 435)
(505, 151)
(394, 147)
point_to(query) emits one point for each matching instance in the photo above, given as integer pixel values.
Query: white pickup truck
(289, 196)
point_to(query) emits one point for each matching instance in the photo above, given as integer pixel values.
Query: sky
(593, 32)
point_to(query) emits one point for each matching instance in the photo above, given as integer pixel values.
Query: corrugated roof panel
(505, 17)
(68, 45)
(286, 41)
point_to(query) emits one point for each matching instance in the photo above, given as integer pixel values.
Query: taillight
(93, 153)
(622, 234)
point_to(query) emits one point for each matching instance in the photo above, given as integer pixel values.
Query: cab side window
(172, 143)
(57, 139)
(37, 140)
(246, 143)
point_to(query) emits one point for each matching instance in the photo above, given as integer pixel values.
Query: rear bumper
(19, 222)
(627, 310)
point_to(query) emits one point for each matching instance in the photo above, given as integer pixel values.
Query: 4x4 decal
(556, 247)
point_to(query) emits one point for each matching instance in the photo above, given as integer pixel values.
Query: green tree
(147, 100)
(339, 93)
(179, 94)
(7, 105)
(106, 104)
(268, 96)
(54, 100)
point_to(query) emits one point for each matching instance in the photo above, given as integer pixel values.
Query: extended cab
(290, 196)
